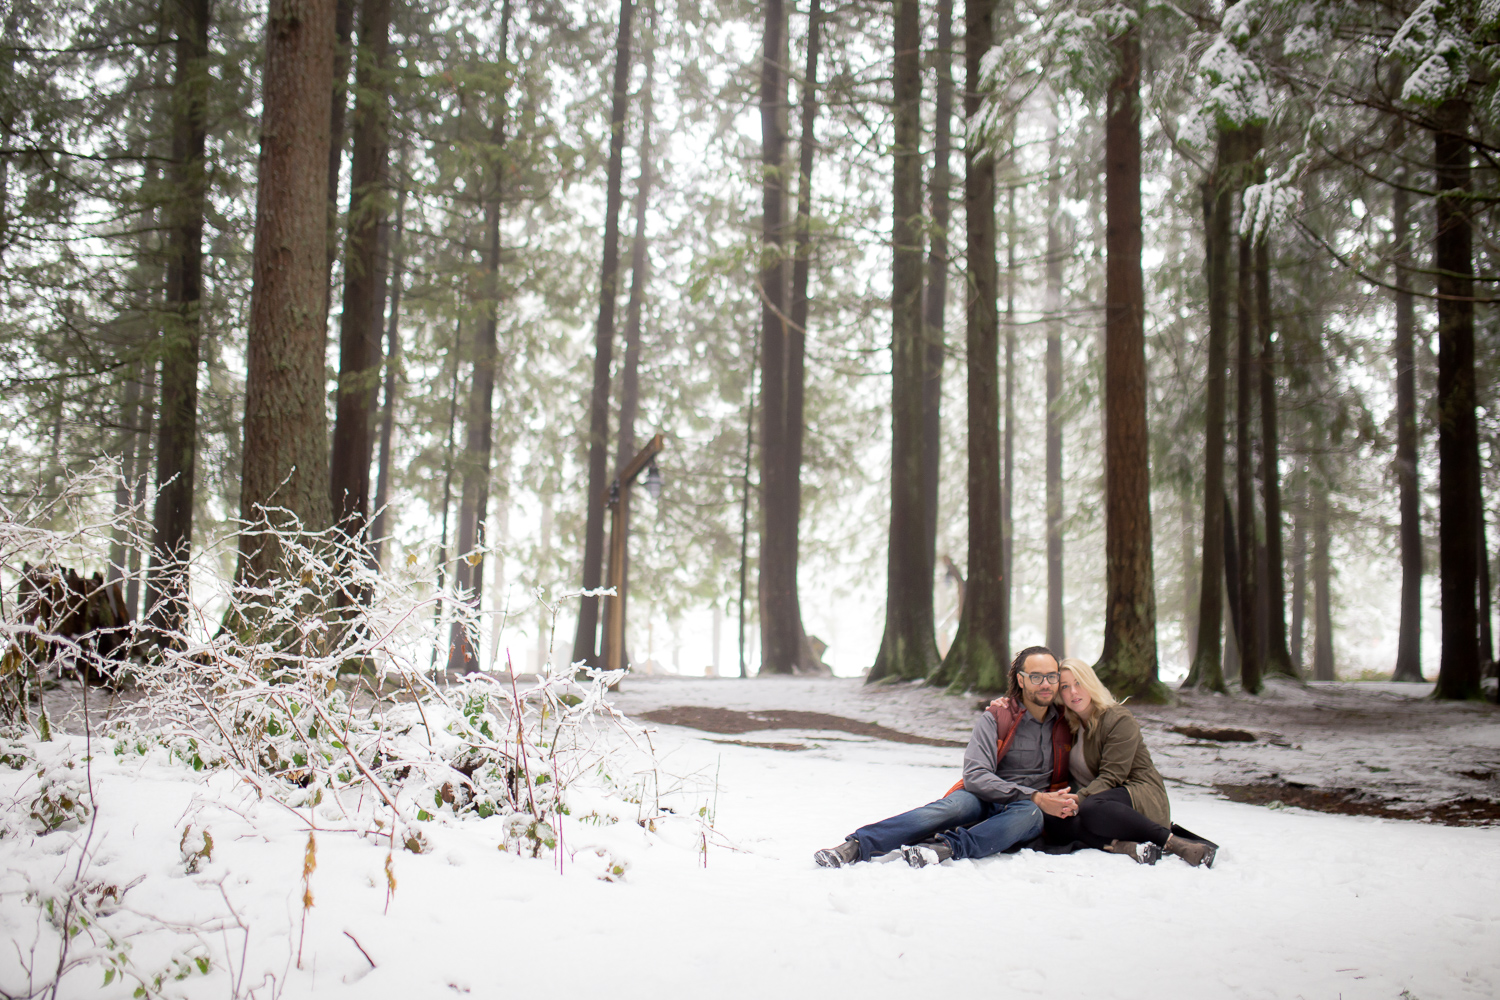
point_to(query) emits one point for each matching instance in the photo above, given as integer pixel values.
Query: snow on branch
(1438, 47)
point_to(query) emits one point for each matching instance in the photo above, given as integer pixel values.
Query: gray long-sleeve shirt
(1027, 766)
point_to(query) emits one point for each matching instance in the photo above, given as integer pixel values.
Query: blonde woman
(1122, 801)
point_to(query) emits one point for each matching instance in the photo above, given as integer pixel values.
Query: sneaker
(929, 852)
(837, 857)
(1194, 852)
(1142, 854)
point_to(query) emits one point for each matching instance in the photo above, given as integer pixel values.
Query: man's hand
(1059, 804)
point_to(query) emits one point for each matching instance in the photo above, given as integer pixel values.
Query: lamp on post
(618, 502)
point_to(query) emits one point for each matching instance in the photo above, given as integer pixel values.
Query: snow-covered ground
(1299, 904)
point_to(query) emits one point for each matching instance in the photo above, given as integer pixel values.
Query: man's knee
(1029, 818)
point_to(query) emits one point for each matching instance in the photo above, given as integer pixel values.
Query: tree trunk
(639, 273)
(940, 185)
(1008, 443)
(790, 501)
(978, 657)
(381, 524)
(1458, 431)
(745, 497)
(442, 561)
(1056, 632)
(909, 646)
(1232, 578)
(1244, 476)
(343, 27)
(468, 574)
(286, 444)
(776, 586)
(1322, 596)
(1207, 669)
(1278, 659)
(1299, 592)
(167, 600)
(1189, 575)
(1409, 643)
(140, 488)
(120, 542)
(1128, 663)
(286, 421)
(586, 640)
(364, 280)
(1486, 637)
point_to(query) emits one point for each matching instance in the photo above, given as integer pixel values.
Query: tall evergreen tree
(978, 657)
(936, 303)
(1128, 662)
(364, 278)
(468, 571)
(586, 640)
(909, 646)
(177, 421)
(1459, 540)
(286, 437)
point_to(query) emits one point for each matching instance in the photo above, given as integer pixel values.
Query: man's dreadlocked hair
(1013, 689)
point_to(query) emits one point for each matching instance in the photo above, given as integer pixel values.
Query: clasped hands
(1060, 804)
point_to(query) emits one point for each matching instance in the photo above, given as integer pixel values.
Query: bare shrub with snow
(317, 696)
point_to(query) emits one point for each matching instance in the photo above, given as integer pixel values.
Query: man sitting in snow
(1015, 770)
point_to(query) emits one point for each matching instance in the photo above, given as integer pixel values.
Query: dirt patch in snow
(711, 719)
(1352, 802)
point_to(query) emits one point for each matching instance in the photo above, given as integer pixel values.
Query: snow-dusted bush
(316, 688)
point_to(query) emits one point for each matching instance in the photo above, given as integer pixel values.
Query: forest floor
(1358, 748)
(719, 894)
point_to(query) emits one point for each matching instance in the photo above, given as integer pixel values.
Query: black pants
(1103, 817)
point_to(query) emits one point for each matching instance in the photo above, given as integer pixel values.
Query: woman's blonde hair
(1084, 676)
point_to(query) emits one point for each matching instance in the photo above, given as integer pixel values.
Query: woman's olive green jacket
(1114, 751)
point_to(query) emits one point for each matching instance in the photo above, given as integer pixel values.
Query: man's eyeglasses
(1051, 678)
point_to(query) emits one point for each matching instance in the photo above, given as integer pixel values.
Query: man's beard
(1037, 700)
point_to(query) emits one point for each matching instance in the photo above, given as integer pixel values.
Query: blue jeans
(972, 827)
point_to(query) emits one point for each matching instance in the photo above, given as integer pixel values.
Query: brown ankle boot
(1191, 851)
(1142, 854)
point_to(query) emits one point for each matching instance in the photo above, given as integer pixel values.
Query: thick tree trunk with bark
(364, 280)
(585, 640)
(177, 423)
(286, 422)
(1409, 642)
(630, 392)
(909, 647)
(1056, 632)
(1207, 669)
(380, 525)
(935, 308)
(468, 572)
(1128, 662)
(978, 658)
(1278, 659)
(1459, 544)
